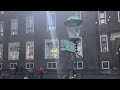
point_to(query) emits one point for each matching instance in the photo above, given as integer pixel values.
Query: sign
(67, 45)
(54, 52)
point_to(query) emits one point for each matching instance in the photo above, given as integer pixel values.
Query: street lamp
(73, 29)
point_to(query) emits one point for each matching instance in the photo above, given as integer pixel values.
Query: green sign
(67, 45)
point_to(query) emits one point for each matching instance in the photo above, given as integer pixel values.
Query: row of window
(102, 17)
(53, 65)
(51, 49)
(51, 23)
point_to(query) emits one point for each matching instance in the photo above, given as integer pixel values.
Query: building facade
(33, 39)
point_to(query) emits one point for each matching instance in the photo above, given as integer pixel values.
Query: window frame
(1, 35)
(51, 65)
(13, 65)
(102, 18)
(50, 40)
(29, 65)
(118, 13)
(77, 12)
(104, 35)
(10, 44)
(48, 13)
(27, 26)
(12, 28)
(105, 62)
(33, 50)
(76, 64)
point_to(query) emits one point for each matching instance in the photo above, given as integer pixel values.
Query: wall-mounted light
(96, 22)
(109, 17)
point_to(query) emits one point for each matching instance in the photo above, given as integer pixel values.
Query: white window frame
(106, 62)
(3, 28)
(9, 50)
(29, 65)
(1, 52)
(1, 65)
(52, 65)
(13, 65)
(118, 13)
(50, 40)
(33, 50)
(47, 15)
(76, 13)
(12, 28)
(99, 18)
(78, 63)
(105, 35)
(27, 18)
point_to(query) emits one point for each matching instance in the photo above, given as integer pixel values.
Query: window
(104, 43)
(1, 28)
(1, 52)
(29, 24)
(79, 65)
(13, 52)
(79, 49)
(0, 65)
(13, 65)
(51, 20)
(78, 14)
(29, 50)
(14, 27)
(105, 65)
(52, 65)
(102, 17)
(29, 65)
(118, 16)
(51, 49)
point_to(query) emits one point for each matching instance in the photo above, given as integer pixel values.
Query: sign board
(67, 45)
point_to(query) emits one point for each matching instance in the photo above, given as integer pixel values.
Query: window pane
(54, 65)
(14, 65)
(51, 19)
(13, 51)
(102, 21)
(30, 24)
(51, 49)
(28, 66)
(11, 65)
(79, 64)
(105, 64)
(78, 14)
(103, 39)
(14, 27)
(31, 65)
(30, 50)
(102, 14)
(1, 29)
(49, 65)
